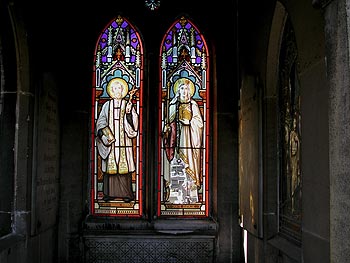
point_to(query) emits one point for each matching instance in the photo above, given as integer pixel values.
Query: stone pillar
(336, 14)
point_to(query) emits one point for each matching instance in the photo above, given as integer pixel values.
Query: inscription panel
(250, 176)
(45, 178)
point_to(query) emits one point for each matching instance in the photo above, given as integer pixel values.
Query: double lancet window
(118, 159)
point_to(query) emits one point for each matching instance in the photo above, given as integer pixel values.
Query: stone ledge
(162, 226)
(10, 240)
(287, 247)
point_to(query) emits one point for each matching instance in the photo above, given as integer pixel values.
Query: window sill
(184, 225)
(288, 248)
(160, 226)
(8, 241)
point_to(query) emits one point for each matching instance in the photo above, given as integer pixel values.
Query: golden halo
(181, 81)
(122, 82)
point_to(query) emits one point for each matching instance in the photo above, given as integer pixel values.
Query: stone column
(336, 14)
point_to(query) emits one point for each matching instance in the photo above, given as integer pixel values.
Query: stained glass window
(152, 4)
(116, 186)
(183, 122)
(290, 138)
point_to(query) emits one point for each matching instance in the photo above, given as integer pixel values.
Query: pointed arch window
(116, 168)
(183, 146)
(117, 186)
(290, 139)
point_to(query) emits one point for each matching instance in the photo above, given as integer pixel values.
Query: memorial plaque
(46, 176)
(250, 175)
